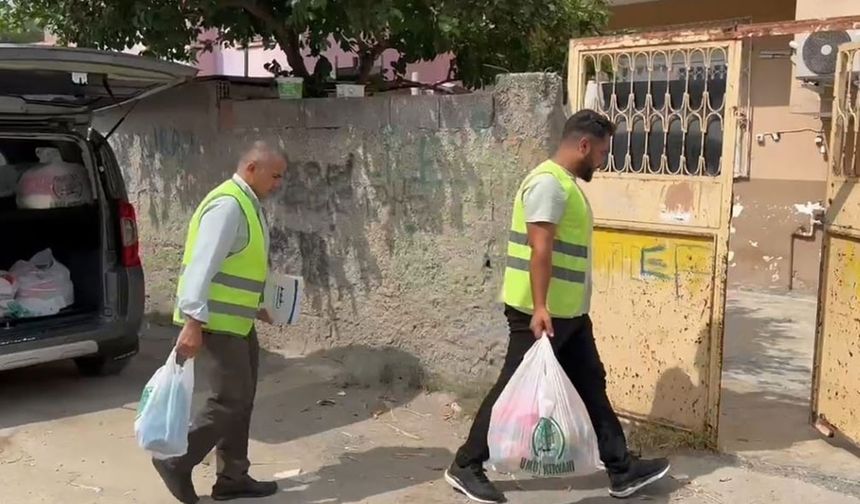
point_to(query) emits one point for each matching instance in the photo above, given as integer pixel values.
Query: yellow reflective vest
(236, 290)
(570, 255)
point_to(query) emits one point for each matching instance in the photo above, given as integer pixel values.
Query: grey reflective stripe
(232, 309)
(557, 272)
(519, 238)
(183, 317)
(557, 246)
(568, 275)
(238, 282)
(235, 282)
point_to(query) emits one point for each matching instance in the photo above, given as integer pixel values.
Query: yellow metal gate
(662, 208)
(836, 390)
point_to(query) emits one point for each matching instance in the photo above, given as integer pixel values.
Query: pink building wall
(231, 61)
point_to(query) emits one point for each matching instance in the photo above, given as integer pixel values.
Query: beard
(588, 174)
(585, 170)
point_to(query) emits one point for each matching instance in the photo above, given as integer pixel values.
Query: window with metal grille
(668, 106)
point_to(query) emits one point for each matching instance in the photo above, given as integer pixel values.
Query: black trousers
(576, 352)
(225, 420)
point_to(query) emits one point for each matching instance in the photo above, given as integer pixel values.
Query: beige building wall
(785, 176)
(671, 12)
(813, 9)
(795, 156)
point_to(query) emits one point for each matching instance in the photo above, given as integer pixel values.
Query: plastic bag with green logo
(539, 425)
(164, 410)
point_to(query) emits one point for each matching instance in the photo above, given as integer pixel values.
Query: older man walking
(219, 293)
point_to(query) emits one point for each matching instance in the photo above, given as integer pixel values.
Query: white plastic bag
(8, 287)
(54, 184)
(44, 285)
(164, 411)
(539, 425)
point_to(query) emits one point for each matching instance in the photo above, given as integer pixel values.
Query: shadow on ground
(767, 372)
(298, 394)
(659, 492)
(769, 342)
(56, 390)
(358, 476)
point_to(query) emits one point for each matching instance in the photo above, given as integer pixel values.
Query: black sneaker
(178, 483)
(245, 488)
(472, 481)
(640, 474)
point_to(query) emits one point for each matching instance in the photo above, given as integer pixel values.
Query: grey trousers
(223, 423)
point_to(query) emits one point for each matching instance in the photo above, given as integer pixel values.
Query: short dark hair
(587, 122)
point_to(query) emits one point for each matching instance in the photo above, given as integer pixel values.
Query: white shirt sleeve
(216, 235)
(545, 200)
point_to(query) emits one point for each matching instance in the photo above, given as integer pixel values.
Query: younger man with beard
(547, 291)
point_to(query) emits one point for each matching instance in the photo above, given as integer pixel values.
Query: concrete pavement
(767, 381)
(69, 439)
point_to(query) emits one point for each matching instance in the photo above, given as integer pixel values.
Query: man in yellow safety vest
(547, 293)
(219, 294)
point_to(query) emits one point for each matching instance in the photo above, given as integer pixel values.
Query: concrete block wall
(471, 111)
(395, 209)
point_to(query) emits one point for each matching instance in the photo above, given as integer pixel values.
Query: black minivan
(47, 99)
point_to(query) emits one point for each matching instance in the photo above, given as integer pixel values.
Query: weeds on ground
(645, 437)
(469, 393)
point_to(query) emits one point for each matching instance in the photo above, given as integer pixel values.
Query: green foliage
(16, 36)
(486, 37)
(491, 36)
(18, 33)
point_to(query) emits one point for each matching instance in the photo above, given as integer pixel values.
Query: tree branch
(288, 39)
(367, 57)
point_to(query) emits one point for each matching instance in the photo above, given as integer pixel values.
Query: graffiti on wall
(407, 172)
(623, 256)
(319, 187)
(412, 184)
(170, 142)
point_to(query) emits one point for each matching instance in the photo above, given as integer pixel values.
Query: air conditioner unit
(815, 54)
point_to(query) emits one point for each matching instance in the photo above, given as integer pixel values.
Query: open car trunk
(73, 217)
(49, 208)
(67, 212)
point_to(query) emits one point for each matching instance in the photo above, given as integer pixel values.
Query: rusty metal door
(662, 214)
(836, 380)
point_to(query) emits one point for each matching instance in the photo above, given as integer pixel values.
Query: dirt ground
(69, 439)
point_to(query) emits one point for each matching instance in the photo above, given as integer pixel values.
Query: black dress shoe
(178, 483)
(245, 488)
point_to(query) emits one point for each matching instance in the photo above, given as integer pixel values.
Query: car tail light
(128, 235)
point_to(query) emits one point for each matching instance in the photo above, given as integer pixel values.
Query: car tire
(100, 365)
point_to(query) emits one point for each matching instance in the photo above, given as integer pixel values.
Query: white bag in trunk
(44, 285)
(54, 184)
(8, 287)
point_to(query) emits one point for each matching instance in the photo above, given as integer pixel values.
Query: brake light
(130, 253)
